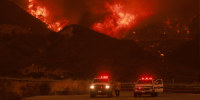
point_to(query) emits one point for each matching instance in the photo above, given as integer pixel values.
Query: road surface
(124, 96)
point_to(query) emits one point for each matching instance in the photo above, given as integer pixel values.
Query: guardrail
(126, 86)
(171, 86)
(129, 86)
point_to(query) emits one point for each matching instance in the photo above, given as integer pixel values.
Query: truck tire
(154, 94)
(135, 94)
(140, 94)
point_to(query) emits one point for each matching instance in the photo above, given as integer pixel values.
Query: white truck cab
(101, 86)
(148, 85)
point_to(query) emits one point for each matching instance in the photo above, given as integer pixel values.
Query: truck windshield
(144, 82)
(101, 80)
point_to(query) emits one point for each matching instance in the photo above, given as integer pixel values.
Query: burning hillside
(162, 34)
(151, 23)
(41, 12)
(116, 22)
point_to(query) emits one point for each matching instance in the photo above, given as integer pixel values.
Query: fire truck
(101, 85)
(148, 85)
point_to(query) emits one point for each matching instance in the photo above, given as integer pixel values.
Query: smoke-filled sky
(148, 22)
(76, 10)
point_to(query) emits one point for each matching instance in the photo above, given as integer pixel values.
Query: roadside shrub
(17, 89)
(69, 87)
(8, 91)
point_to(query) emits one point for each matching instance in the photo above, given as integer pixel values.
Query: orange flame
(41, 12)
(115, 24)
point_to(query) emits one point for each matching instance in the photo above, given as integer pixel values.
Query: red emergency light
(104, 77)
(146, 78)
(150, 78)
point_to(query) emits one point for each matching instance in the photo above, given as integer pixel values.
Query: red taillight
(140, 88)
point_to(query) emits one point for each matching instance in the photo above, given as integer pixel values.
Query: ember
(41, 12)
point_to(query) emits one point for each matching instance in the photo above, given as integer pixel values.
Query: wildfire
(116, 23)
(41, 12)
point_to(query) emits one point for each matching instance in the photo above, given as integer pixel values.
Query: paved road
(124, 96)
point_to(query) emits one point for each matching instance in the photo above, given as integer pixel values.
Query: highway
(124, 96)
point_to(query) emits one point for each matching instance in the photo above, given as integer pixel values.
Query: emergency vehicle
(101, 86)
(148, 85)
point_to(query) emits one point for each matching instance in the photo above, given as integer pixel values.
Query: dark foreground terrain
(124, 96)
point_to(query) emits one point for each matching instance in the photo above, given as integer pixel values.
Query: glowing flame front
(39, 11)
(116, 23)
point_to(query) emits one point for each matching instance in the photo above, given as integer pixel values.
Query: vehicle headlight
(92, 87)
(107, 86)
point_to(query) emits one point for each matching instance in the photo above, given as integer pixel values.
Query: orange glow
(117, 22)
(162, 55)
(41, 12)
